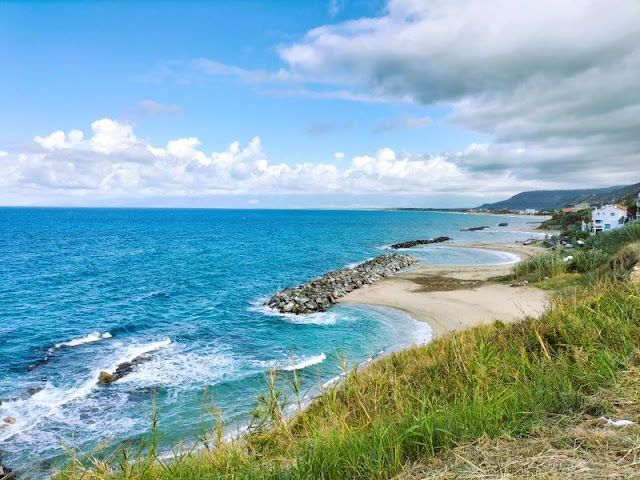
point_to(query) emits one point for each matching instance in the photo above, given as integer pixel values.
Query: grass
(538, 267)
(484, 382)
(577, 446)
(490, 382)
(613, 241)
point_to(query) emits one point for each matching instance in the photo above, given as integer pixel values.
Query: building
(529, 211)
(606, 218)
(575, 208)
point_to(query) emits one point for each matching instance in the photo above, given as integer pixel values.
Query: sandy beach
(454, 298)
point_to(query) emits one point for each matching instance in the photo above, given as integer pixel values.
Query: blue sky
(431, 118)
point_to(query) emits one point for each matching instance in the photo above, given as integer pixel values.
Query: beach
(455, 298)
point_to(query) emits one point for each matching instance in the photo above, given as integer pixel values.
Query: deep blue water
(82, 290)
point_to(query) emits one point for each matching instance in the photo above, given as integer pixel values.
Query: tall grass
(539, 266)
(612, 241)
(488, 380)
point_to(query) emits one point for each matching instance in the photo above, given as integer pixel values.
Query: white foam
(355, 264)
(183, 368)
(317, 318)
(92, 337)
(306, 363)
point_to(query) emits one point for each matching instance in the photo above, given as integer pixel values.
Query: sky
(315, 104)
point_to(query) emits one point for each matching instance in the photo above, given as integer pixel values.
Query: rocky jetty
(123, 369)
(413, 243)
(473, 229)
(319, 294)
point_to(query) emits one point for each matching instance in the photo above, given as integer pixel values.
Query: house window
(607, 226)
(613, 214)
(598, 221)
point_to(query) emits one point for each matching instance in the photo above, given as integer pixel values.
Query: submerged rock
(322, 292)
(9, 420)
(473, 229)
(413, 243)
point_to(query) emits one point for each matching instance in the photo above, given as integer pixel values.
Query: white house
(529, 211)
(606, 218)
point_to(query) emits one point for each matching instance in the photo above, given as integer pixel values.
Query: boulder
(9, 420)
(106, 378)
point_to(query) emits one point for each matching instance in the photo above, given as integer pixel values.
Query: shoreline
(451, 298)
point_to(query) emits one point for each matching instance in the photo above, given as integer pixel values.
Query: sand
(454, 298)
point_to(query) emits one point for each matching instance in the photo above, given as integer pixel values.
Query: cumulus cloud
(551, 82)
(113, 163)
(338, 156)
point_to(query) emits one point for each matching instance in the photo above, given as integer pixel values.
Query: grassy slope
(486, 382)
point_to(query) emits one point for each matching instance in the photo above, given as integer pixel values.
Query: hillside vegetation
(404, 410)
(553, 199)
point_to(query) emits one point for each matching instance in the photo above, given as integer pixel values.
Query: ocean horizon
(86, 289)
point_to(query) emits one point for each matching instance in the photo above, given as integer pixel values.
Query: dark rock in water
(413, 243)
(34, 390)
(6, 473)
(123, 369)
(503, 224)
(9, 420)
(322, 292)
(473, 229)
(37, 363)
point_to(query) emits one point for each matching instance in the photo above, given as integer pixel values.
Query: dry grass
(581, 446)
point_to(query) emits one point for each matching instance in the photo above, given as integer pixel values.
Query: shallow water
(82, 290)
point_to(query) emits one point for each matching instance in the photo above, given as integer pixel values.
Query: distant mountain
(551, 199)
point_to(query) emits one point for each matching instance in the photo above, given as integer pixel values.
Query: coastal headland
(455, 298)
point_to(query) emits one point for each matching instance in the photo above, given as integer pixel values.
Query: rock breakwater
(413, 243)
(322, 292)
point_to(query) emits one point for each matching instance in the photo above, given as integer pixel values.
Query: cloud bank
(112, 162)
(553, 83)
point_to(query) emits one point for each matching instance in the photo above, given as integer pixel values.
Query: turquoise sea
(82, 290)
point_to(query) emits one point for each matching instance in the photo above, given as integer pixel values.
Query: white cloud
(3, 153)
(110, 136)
(113, 163)
(550, 82)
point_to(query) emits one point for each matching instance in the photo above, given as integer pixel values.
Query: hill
(551, 199)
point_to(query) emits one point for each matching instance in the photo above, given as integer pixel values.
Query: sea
(83, 290)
